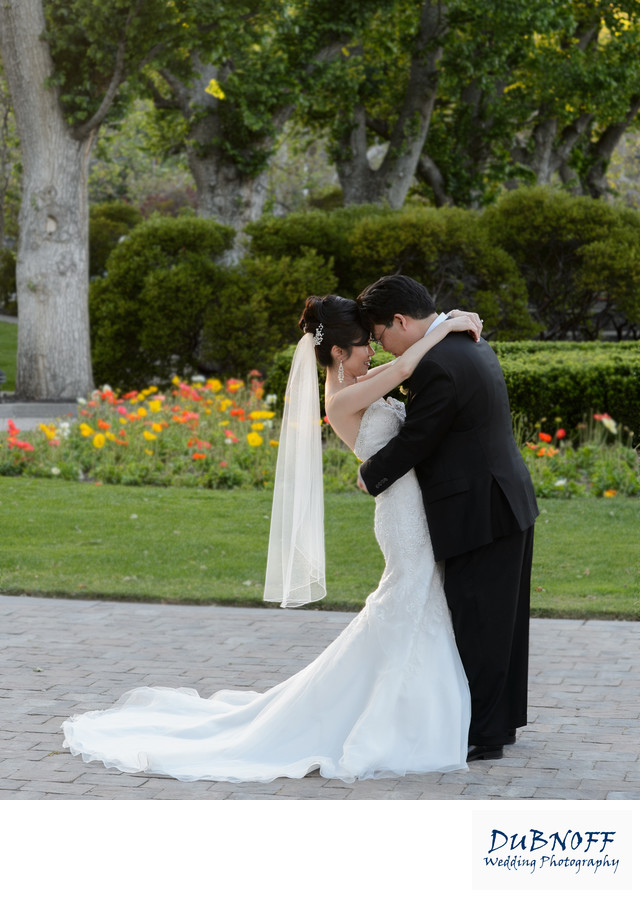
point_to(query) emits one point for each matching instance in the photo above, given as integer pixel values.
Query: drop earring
(340, 372)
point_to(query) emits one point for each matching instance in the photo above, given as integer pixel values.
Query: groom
(478, 498)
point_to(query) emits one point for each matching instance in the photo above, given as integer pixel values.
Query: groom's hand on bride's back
(361, 484)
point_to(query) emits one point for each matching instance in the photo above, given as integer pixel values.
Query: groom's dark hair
(396, 294)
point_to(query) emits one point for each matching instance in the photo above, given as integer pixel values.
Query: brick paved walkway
(60, 656)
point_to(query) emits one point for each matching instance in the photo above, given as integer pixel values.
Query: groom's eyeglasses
(376, 342)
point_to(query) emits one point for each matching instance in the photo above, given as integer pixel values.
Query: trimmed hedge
(538, 262)
(108, 224)
(443, 248)
(446, 250)
(257, 310)
(325, 232)
(147, 313)
(579, 257)
(573, 380)
(569, 381)
(167, 305)
(8, 281)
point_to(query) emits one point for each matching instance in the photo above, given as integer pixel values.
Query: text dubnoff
(583, 852)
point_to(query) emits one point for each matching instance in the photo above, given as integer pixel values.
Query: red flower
(199, 455)
(545, 437)
(561, 433)
(13, 430)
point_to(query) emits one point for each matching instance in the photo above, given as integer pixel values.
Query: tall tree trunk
(392, 180)
(550, 153)
(54, 359)
(360, 182)
(600, 152)
(225, 192)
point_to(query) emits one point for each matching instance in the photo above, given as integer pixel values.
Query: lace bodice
(380, 422)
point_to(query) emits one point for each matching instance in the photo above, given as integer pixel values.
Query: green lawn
(8, 348)
(189, 545)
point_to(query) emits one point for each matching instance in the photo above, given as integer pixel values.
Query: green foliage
(515, 75)
(147, 312)
(10, 167)
(7, 280)
(167, 304)
(572, 380)
(447, 251)
(86, 38)
(135, 158)
(278, 374)
(8, 353)
(108, 223)
(258, 308)
(325, 232)
(580, 259)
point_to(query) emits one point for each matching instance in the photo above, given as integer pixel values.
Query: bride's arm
(379, 382)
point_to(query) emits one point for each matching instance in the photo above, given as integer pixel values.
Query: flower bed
(203, 433)
(220, 435)
(597, 459)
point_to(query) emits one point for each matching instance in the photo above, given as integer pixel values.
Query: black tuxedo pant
(488, 591)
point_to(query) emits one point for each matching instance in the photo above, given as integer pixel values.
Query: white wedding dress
(388, 697)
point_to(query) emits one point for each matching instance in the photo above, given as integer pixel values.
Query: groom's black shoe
(484, 752)
(511, 738)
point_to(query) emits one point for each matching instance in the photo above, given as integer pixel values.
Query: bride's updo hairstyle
(342, 323)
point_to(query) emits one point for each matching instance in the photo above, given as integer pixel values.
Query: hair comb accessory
(318, 335)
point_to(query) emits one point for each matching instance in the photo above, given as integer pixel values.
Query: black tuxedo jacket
(458, 436)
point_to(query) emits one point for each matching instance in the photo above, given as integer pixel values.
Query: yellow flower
(257, 425)
(85, 430)
(224, 404)
(214, 89)
(142, 412)
(157, 426)
(149, 451)
(254, 440)
(261, 415)
(99, 440)
(149, 436)
(214, 385)
(49, 432)
(154, 405)
(609, 494)
(274, 443)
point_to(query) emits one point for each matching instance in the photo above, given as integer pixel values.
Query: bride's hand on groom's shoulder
(466, 321)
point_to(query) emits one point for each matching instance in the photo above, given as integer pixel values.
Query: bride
(389, 696)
